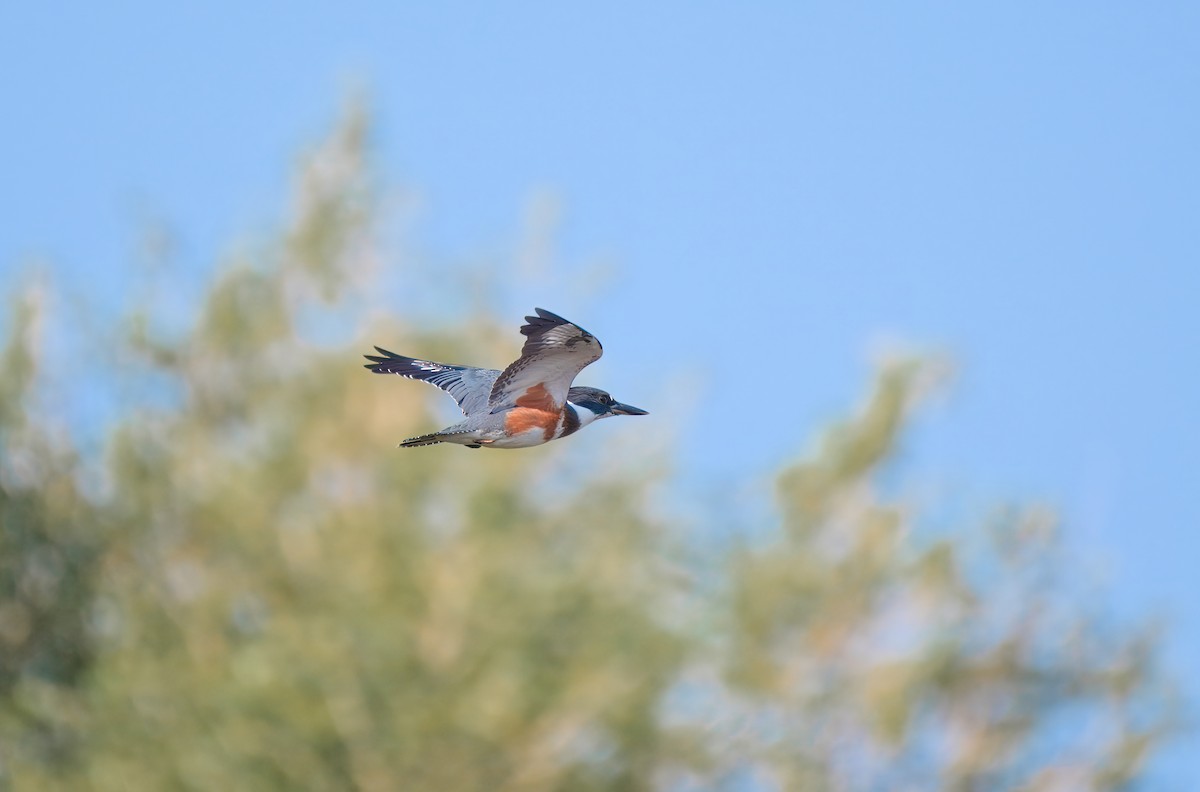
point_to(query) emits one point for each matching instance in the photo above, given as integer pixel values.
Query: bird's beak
(626, 409)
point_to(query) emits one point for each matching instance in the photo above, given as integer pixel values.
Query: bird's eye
(606, 399)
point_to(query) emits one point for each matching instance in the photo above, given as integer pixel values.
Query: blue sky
(783, 187)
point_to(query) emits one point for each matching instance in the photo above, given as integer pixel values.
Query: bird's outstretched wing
(469, 386)
(555, 352)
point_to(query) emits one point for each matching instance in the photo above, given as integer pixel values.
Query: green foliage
(878, 662)
(48, 550)
(268, 595)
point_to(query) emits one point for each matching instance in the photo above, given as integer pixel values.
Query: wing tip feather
(544, 321)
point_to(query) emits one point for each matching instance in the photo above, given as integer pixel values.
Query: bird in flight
(529, 403)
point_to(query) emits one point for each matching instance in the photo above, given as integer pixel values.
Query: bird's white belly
(525, 439)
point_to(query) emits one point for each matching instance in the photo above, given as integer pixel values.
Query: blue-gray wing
(469, 386)
(555, 351)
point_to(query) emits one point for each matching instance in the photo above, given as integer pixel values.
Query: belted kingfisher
(529, 403)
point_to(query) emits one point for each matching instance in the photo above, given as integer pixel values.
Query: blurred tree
(867, 660)
(274, 598)
(49, 540)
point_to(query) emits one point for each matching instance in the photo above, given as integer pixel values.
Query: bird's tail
(423, 440)
(434, 439)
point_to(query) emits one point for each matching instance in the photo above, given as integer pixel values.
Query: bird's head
(600, 403)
